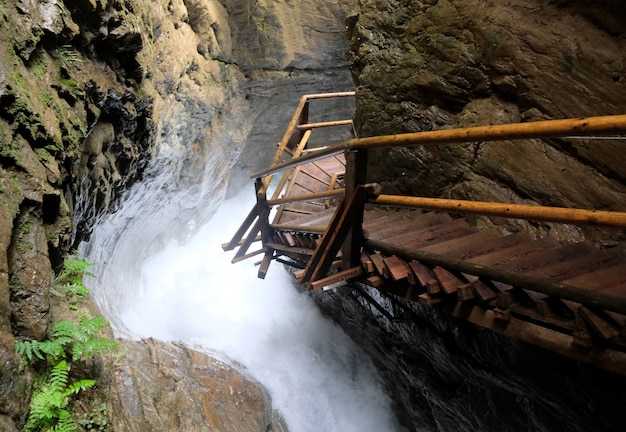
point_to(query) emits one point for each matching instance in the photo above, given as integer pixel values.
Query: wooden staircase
(334, 230)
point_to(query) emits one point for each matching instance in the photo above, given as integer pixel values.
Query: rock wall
(165, 387)
(423, 65)
(99, 95)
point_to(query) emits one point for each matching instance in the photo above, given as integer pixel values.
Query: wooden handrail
(306, 197)
(308, 126)
(302, 229)
(516, 211)
(603, 125)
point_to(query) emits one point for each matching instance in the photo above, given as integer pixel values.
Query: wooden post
(356, 174)
(264, 227)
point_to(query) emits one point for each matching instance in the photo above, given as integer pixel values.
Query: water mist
(189, 291)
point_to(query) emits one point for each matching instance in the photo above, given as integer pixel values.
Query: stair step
(433, 234)
(503, 256)
(409, 221)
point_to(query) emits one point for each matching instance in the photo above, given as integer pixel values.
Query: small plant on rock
(72, 341)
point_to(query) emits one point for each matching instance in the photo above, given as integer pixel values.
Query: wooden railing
(344, 231)
(294, 143)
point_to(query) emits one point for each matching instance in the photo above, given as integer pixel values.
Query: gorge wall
(99, 95)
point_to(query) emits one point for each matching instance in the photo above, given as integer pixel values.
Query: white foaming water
(318, 378)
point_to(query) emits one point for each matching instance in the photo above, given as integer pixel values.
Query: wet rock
(169, 386)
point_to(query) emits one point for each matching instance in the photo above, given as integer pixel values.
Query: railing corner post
(355, 177)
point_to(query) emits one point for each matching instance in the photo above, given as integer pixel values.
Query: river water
(173, 290)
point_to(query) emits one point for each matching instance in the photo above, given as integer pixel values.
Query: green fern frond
(29, 349)
(88, 328)
(64, 329)
(58, 376)
(78, 386)
(73, 271)
(65, 423)
(46, 407)
(92, 347)
(55, 349)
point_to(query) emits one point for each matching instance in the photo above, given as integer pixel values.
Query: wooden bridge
(323, 219)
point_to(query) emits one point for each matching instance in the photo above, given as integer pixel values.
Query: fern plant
(48, 408)
(69, 282)
(71, 341)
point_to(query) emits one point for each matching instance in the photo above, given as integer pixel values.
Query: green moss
(24, 245)
(15, 282)
(11, 150)
(39, 67)
(69, 82)
(46, 99)
(26, 121)
(18, 81)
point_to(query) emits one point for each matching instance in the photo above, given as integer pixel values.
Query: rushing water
(319, 379)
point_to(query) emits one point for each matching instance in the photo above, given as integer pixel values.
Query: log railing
(293, 147)
(345, 230)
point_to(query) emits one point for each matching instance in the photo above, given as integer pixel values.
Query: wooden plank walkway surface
(486, 302)
(568, 298)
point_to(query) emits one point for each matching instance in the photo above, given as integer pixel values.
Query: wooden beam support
(330, 243)
(248, 255)
(309, 126)
(337, 277)
(355, 177)
(306, 197)
(235, 241)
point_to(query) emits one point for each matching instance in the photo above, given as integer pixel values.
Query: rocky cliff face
(166, 387)
(450, 63)
(98, 95)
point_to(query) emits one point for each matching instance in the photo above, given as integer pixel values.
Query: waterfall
(152, 284)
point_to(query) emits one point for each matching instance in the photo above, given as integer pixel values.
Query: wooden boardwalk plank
(609, 279)
(331, 165)
(425, 277)
(490, 245)
(503, 256)
(449, 282)
(320, 218)
(379, 264)
(434, 234)
(428, 233)
(535, 261)
(578, 266)
(309, 184)
(403, 223)
(463, 246)
(316, 172)
(398, 269)
(378, 225)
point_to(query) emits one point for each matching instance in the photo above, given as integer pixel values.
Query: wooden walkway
(565, 326)
(568, 298)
